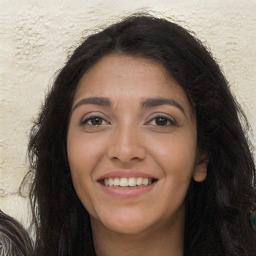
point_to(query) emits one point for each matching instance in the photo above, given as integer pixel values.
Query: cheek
(80, 164)
(175, 149)
(83, 153)
(176, 155)
(83, 157)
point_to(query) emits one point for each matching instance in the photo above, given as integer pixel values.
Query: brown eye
(162, 121)
(94, 121)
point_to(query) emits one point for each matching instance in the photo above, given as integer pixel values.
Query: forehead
(127, 77)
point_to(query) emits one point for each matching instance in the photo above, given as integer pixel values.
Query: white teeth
(127, 182)
(123, 182)
(139, 181)
(106, 182)
(145, 181)
(110, 182)
(116, 182)
(132, 182)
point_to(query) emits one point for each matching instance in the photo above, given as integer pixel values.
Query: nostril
(126, 149)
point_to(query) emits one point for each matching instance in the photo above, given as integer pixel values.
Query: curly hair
(216, 209)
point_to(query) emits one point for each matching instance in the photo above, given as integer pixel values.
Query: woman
(138, 150)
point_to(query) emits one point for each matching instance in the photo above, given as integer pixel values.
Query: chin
(128, 228)
(126, 223)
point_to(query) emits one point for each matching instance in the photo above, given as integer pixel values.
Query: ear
(200, 171)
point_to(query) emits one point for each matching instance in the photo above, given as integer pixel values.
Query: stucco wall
(37, 36)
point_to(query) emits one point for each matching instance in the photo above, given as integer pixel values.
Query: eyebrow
(101, 101)
(154, 102)
(146, 103)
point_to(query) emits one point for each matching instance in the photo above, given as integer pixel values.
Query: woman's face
(132, 145)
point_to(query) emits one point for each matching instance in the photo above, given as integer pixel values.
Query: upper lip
(126, 173)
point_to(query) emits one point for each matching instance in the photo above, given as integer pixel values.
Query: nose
(127, 145)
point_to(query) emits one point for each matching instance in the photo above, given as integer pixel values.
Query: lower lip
(127, 192)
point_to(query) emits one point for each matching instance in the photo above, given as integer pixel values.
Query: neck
(167, 240)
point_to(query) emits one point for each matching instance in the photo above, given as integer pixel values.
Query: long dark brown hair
(216, 209)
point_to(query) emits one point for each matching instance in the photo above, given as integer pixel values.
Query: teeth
(132, 182)
(110, 182)
(123, 182)
(127, 182)
(145, 181)
(106, 182)
(139, 181)
(116, 182)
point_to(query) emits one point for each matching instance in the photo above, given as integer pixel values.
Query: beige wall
(37, 36)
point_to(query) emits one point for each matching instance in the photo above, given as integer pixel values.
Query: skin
(130, 136)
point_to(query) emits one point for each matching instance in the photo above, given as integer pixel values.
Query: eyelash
(86, 120)
(169, 121)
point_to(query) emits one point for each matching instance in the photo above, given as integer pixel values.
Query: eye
(94, 121)
(161, 121)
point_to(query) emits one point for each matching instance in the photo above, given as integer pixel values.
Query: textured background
(37, 36)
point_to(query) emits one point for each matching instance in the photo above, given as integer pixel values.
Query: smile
(127, 182)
